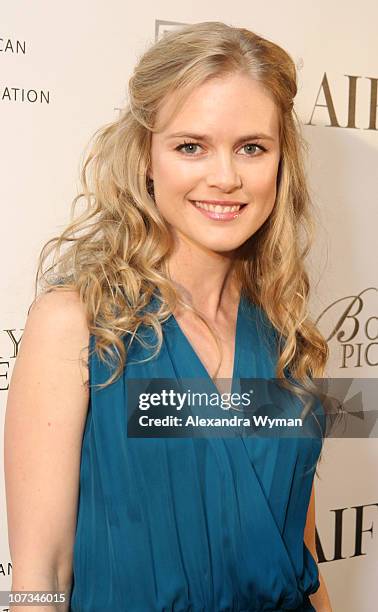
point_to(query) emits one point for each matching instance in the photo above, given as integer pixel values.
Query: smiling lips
(220, 210)
(219, 205)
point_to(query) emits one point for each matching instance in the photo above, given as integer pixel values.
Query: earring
(150, 188)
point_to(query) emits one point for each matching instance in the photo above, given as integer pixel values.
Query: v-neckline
(199, 361)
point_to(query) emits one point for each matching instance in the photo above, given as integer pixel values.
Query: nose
(224, 175)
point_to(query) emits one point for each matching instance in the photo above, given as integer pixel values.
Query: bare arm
(320, 600)
(44, 423)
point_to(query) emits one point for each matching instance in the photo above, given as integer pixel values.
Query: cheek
(174, 176)
(171, 187)
(264, 193)
(264, 185)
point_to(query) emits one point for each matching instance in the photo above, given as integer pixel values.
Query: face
(215, 164)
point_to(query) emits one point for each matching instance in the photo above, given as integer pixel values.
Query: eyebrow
(254, 136)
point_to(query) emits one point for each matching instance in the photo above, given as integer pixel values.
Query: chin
(223, 246)
(218, 242)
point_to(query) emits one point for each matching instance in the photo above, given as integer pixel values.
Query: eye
(251, 144)
(189, 146)
(186, 146)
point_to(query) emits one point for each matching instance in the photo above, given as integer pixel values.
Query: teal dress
(191, 524)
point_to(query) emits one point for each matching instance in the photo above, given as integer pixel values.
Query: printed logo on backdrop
(9, 343)
(353, 529)
(16, 92)
(352, 96)
(162, 27)
(350, 326)
(5, 568)
(12, 46)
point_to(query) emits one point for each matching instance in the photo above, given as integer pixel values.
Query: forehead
(220, 105)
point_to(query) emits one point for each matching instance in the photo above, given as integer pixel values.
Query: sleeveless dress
(191, 524)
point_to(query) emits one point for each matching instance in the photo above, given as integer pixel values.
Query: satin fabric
(191, 524)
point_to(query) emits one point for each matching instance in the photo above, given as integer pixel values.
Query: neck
(205, 279)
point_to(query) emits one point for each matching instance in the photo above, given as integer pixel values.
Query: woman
(187, 262)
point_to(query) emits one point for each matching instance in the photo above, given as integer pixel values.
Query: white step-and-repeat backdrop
(64, 72)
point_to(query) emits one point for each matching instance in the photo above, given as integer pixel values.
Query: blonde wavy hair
(117, 250)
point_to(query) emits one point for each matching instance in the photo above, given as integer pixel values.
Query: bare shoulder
(59, 318)
(59, 306)
(50, 374)
(45, 418)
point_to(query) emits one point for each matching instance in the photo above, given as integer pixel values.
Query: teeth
(216, 208)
